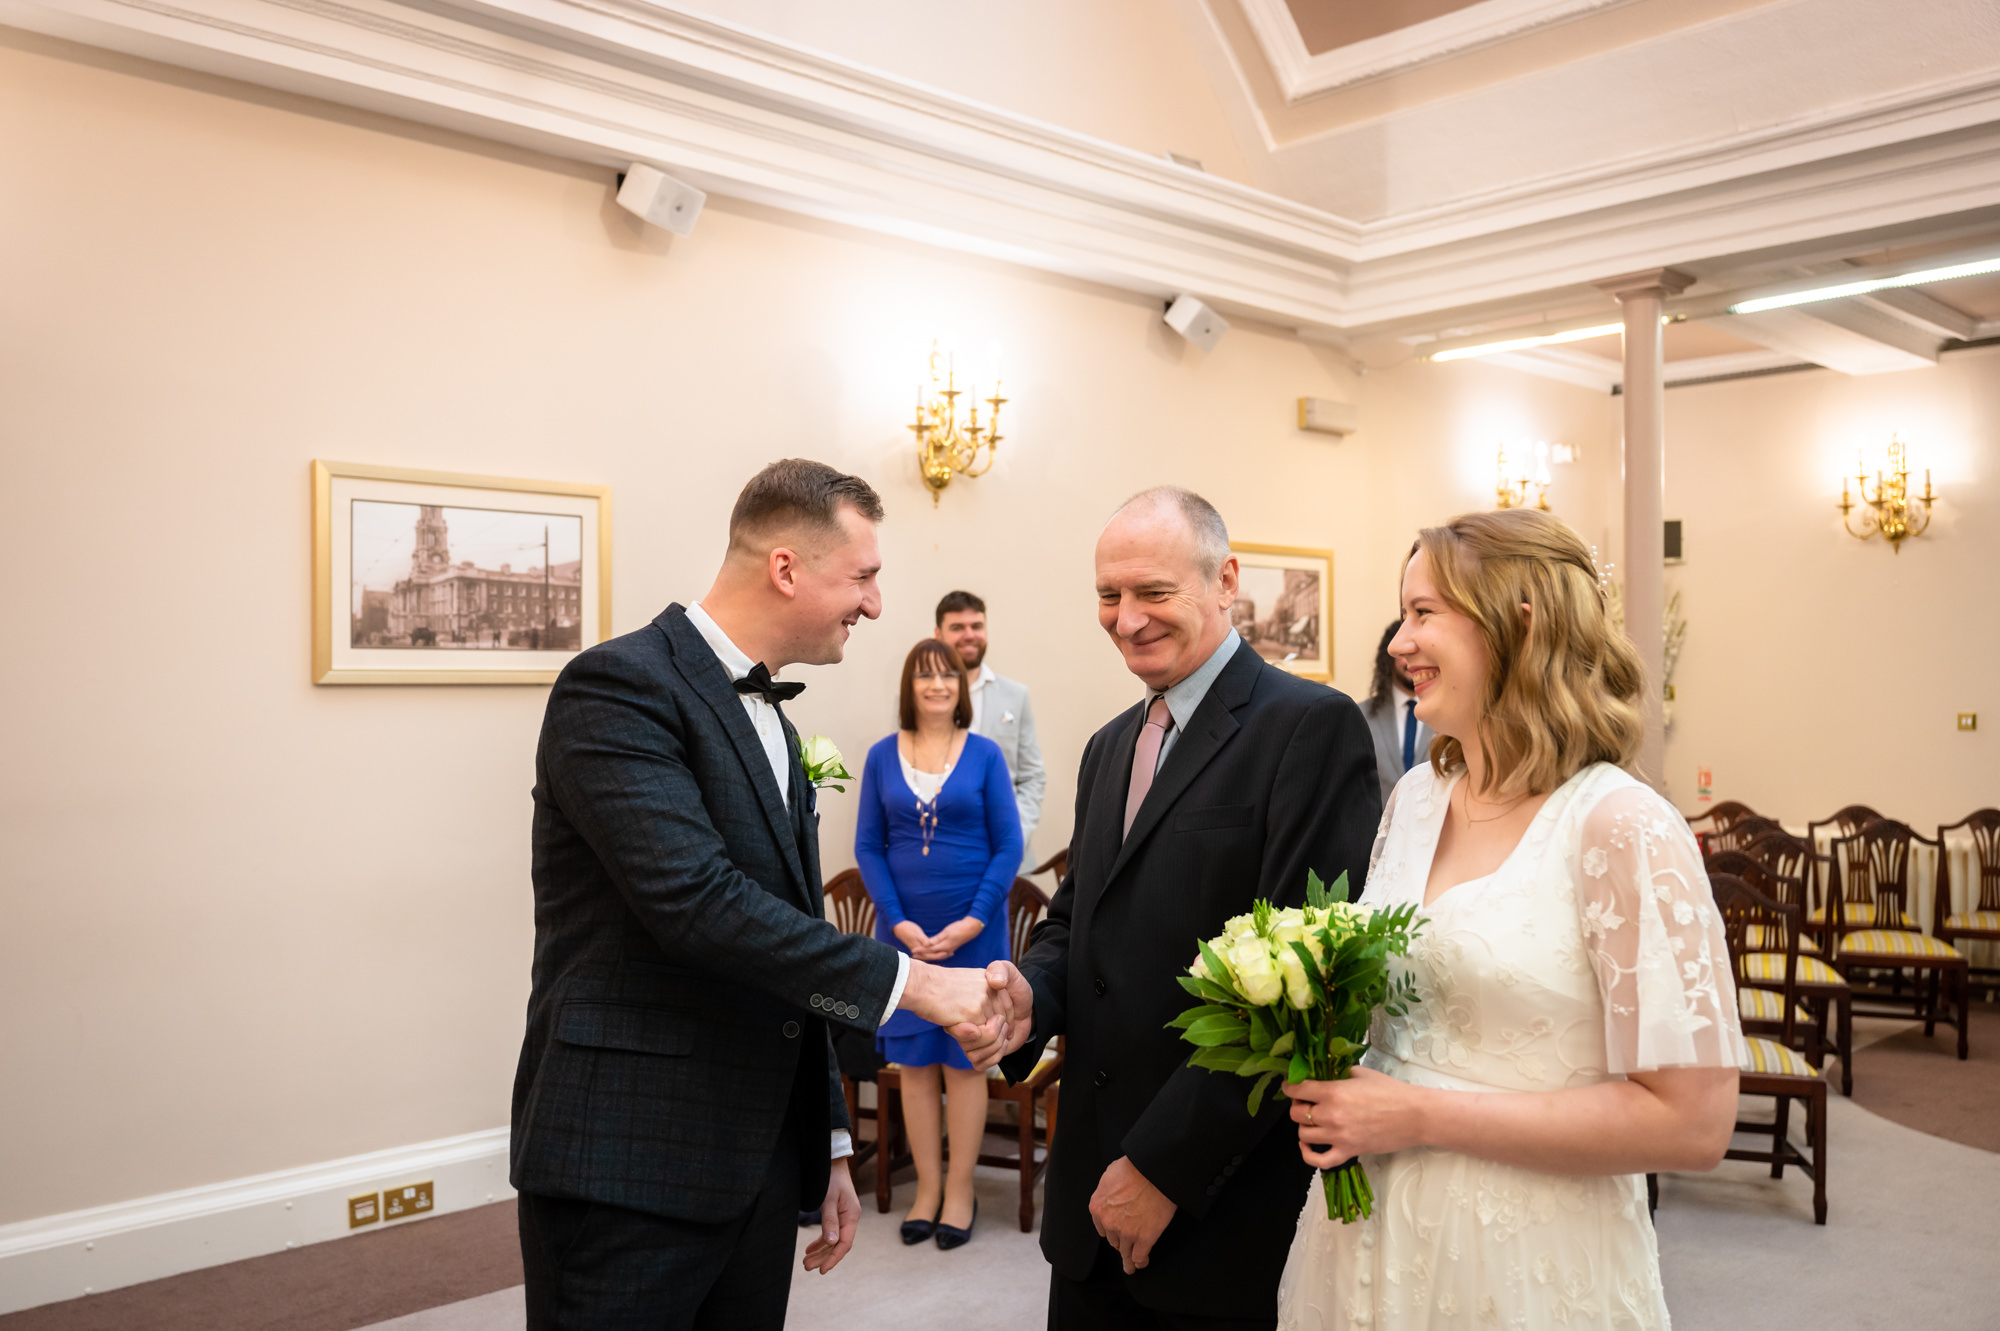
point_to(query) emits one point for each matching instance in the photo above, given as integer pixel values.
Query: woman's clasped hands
(1366, 1113)
(940, 945)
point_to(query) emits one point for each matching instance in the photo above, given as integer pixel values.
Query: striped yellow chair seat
(1764, 1005)
(1770, 1057)
(1979, 919)
(1854, 912)
(1769, 967)
(1893, 943)
(1761, 936)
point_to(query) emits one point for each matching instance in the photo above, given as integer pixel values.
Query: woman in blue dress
(938, 840)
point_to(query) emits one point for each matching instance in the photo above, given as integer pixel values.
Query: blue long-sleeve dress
(974, 836)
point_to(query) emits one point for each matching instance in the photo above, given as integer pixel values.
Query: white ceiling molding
(1590, 370)
(1840, 336)
(1302, 75)
(744, 115)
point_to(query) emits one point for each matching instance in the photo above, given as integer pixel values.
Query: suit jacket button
(817, 1001)
(1103, 1077)
(791, 1030)
(1098, 985)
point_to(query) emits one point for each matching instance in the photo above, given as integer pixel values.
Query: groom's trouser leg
(1104, 1302)
(592, 1267)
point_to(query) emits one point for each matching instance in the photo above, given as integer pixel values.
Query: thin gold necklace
(1512, 805)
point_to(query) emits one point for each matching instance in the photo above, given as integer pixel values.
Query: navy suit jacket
(1273, 776)
(684, 975)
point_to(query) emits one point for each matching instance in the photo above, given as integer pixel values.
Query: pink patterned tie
(1146, 757)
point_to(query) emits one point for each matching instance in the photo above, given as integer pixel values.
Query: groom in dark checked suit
(1169, 1206)
(677, 1103)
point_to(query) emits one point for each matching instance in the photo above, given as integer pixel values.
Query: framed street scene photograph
(1284, 606)
(424, 577)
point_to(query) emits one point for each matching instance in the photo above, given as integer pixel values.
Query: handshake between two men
(989, 1012)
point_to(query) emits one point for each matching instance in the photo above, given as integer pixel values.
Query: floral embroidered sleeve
(1655, 937)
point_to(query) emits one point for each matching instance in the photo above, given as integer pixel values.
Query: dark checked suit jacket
(684, 977)
(1273, 776)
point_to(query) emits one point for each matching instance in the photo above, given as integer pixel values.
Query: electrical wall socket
(1968, 720)
(364, 1210)
(411, 1199)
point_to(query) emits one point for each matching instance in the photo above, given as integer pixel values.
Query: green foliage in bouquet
(1290, 992)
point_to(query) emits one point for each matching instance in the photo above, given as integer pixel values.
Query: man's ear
(1227, 578)
(782, 565)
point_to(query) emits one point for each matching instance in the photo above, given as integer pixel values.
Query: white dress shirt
(980, 678)
(771, 733)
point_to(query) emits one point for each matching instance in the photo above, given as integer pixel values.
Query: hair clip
(1603, 571)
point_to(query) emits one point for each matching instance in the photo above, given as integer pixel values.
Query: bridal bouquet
(1290, 993)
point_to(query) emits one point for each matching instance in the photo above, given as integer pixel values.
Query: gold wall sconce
(1520, 465)
(946, 445)
(1891, 512)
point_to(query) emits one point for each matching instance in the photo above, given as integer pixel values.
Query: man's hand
(1129, 1212)
(839, 1215)
(985, 1045)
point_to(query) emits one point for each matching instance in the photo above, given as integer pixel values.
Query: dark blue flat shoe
(916, 1231)
(951, 1236)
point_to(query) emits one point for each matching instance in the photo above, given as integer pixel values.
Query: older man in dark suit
(1169, 1206)
(677, 1103)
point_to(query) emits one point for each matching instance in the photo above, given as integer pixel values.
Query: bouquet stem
(1348, 1196)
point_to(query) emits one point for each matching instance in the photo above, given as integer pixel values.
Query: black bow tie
(759, 682)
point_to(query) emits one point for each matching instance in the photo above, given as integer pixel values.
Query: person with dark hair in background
(937, 839)
(1000, 709)
(677, 1096)
(1401, 740)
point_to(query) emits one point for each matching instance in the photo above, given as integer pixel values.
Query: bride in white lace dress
(1575, 1024)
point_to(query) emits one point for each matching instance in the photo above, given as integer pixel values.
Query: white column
(1642, 296)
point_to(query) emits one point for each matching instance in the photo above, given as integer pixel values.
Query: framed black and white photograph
(424, 577)
(1284, 606)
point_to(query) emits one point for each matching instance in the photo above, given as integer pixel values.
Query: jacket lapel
(804, 810)
(1114, 778)
(705, 675)
(1208, 730)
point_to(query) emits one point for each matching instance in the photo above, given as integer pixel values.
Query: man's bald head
(1207, 535)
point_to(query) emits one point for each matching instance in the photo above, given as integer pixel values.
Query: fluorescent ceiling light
(1845, 289)
(1539, 340)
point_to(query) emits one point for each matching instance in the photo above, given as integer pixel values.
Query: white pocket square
(1007, 716)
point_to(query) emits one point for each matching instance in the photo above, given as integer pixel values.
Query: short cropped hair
(933, 656)
(1562, 685)
(957, 603)
(1384, 682)
(796, 494)
(1205, 526)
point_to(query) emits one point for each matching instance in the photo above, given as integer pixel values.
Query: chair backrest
(1721, 816)
(1025, 905)
(1739, 833)
(1752, 922)
(1876, 870)
(1846, 823)
(1059, 862)
(1983, 893)
(1759, 875)
(1790, 858)
(853, 908)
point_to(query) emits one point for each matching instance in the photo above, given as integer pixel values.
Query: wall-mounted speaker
(1196, 322)
(659, 198)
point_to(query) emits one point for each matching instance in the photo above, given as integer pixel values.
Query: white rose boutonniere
(824, 766)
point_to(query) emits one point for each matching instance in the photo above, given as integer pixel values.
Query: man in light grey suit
(1401, 741)
(1000, 709)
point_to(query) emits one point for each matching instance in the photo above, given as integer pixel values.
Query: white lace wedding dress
(1595, 950)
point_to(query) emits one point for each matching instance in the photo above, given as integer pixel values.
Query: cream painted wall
(1820, 670)
(253, 923)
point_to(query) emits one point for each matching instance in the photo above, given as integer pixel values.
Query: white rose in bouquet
(1298, 989)
(1256, 973)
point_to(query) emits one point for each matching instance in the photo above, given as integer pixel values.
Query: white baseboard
(81, 1252)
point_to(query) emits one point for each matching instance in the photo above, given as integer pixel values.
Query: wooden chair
(1845, 823)
(1059, 862)
(853, 912)
(1775, 1068)
(1739, 834)
(1820, 988)
(1039, 1089)
(1873, 930)
(1794, 858)
(1717, 818)
(1979, 921)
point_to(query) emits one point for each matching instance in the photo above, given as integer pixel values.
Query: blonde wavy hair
(1563, 686)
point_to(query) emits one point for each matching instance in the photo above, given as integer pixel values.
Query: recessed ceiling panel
(1327, 25)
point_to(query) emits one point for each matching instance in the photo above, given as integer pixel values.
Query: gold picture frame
(1284, 606)
(413, 615)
